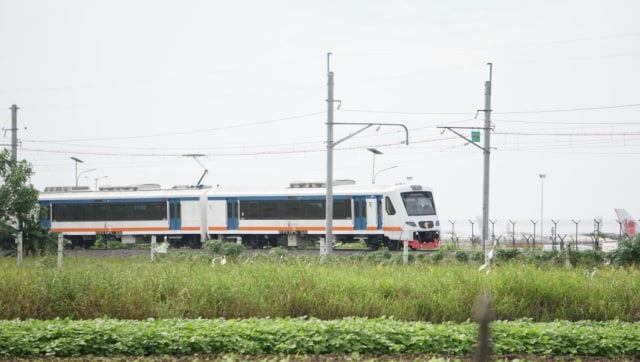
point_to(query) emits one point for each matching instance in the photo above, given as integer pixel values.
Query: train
(292, 216)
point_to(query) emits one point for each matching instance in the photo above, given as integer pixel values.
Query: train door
(232, 213)
(174, 214)
(373, 219)
(360, 212)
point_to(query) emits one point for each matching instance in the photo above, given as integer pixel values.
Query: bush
(628, 252)
(114, 244)
(437, 256)
(507, 254)
(587, 258)
(383, 254)
(461, 256)
(477, 256)
(216, 247)
(279, 251)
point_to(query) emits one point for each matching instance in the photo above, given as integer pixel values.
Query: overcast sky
(131, 86)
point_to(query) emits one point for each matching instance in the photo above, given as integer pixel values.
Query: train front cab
(410, 215)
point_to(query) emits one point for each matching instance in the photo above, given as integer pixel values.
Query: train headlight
(426, 224)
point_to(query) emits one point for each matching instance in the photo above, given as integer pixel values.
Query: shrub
(507, 254)
(587, 258)
(114, 244)
(461, 256)
(216, 247)
(477, 256)
(628, 252)
(382, 254)
(437, 256)
(279, 251)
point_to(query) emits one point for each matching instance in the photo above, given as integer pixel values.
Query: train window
(388, 206)
(110, 211)
(269, 210)
(82, 212)
(291, 209)
(342, 209)
(314, 210)
(59, 212)
(100, 212)
(418, 203)
(158, 211)
(120, 211)
(250, 209)
(139, 211)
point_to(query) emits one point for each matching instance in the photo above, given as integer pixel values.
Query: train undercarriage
(420, 240)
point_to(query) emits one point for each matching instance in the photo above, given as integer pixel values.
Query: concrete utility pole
(328, 239)
(487, 158)
(542, 177)
(14, 133)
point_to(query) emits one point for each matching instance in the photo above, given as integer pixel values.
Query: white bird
(223, 261)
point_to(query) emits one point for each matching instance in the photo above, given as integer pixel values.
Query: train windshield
(418, 203)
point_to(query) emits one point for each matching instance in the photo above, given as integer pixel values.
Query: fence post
(60, 249)
(483, 316)
(513, 232)
(19, 242)
(153, 248)
(405, 252)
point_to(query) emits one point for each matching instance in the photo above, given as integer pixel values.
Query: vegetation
(436, 288)
(222, 300)
(19, 210)
(309, 336)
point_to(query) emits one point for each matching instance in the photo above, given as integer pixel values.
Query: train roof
(123, 192)
(184, 192)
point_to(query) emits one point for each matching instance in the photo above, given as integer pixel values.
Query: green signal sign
(475, 136)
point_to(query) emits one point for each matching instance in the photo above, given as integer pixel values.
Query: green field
(188, 286)
(527, 299)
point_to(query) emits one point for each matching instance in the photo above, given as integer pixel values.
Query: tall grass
(135, 288)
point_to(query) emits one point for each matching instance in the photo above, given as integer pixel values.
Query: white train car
(128, 213)
(292, 216)
(295, 216)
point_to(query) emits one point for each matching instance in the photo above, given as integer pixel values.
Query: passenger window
(388, 206)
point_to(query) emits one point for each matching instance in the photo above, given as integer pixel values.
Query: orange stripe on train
(281, 228)
(108, 230)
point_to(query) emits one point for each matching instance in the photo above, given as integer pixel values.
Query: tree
(19, 209)
(628, 252)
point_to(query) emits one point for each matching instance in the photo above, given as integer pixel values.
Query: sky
(131, 87)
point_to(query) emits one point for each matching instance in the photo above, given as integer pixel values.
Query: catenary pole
(328, 239)
(14, 133)
(487, 157)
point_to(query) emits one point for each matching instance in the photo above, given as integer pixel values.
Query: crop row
(303, 336)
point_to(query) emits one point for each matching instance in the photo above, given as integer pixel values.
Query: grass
(190, 286)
